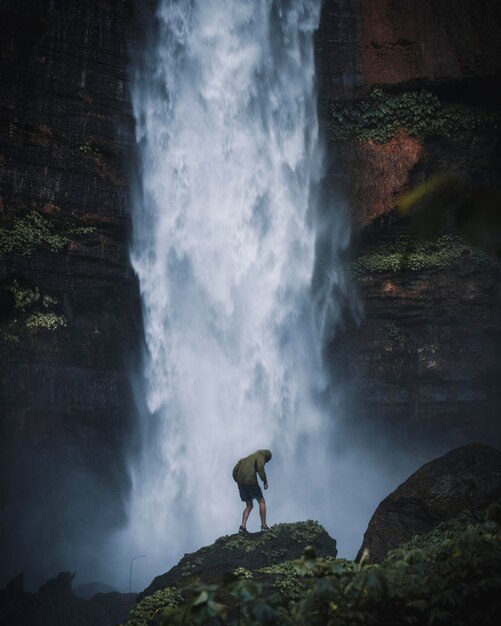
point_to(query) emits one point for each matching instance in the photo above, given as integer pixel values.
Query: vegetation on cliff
(29, 232)
(406, 252)
(240, 554)
(380, 115)
(451, 575)
(146, 610)
(35, 230)
(33, 310)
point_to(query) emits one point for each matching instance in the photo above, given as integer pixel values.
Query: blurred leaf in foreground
(447, 201)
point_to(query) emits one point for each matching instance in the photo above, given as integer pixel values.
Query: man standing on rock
(244, 473)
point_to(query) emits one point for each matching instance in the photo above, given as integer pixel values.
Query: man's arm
(260, 470)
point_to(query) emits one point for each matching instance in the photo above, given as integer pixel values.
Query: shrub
(49, 321)
(420, 112)
(145, 611)
(451, 576)
(30, 232)
(37, 230)
(408, 253)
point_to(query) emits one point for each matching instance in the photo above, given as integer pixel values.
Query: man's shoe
(243, 531)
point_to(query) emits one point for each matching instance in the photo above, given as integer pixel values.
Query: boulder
(465, 478)
(283, 542)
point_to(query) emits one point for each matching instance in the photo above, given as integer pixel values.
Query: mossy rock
(282, 542)
(451, 576)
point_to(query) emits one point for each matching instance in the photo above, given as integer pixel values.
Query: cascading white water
(224, 249)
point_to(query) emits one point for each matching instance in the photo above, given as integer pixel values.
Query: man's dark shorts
(249, 492)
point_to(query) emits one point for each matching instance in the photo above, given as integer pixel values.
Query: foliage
(453, 575)
(190, 565)
(466, 522)
(36, 230)
(408, 253)
(419, 112)
(30, 232)
(8, 337)
(89, 148)
(145, 611)
(241, 572)
(287, 579)
(49, 321)
(49, 301)
(81, 231)
(446, 200)
(200, 606)
(24, 297)
(393, 332)
(301, 532)
(33, 309)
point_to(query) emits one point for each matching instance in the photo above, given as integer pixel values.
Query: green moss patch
(242, 572)
(32, 231)
(408, 253)
(300, 532)
(419, 112)
(393, 331)
(32, 310)
(240, 556)
(145, 611)
(451, 576)
(49, 321)
(36, 230)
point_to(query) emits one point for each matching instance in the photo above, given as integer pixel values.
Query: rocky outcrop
(452, 572)
(466, 478)
(69, 306)
(283, 542)
(56, 604)
(406, 92)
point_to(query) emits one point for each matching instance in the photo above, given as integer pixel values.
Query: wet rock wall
(409, 90)
(69, 314)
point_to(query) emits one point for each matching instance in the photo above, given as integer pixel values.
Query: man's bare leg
(262, 512)
(246, 513)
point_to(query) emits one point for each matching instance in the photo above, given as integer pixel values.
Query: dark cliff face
(69, 303)
(408, 91)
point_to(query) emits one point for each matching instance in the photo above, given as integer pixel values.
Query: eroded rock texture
(466, 478)
(408, 90)
(68, 299)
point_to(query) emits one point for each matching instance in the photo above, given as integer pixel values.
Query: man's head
(267, 455)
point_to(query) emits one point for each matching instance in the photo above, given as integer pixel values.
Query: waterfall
(224, 234)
